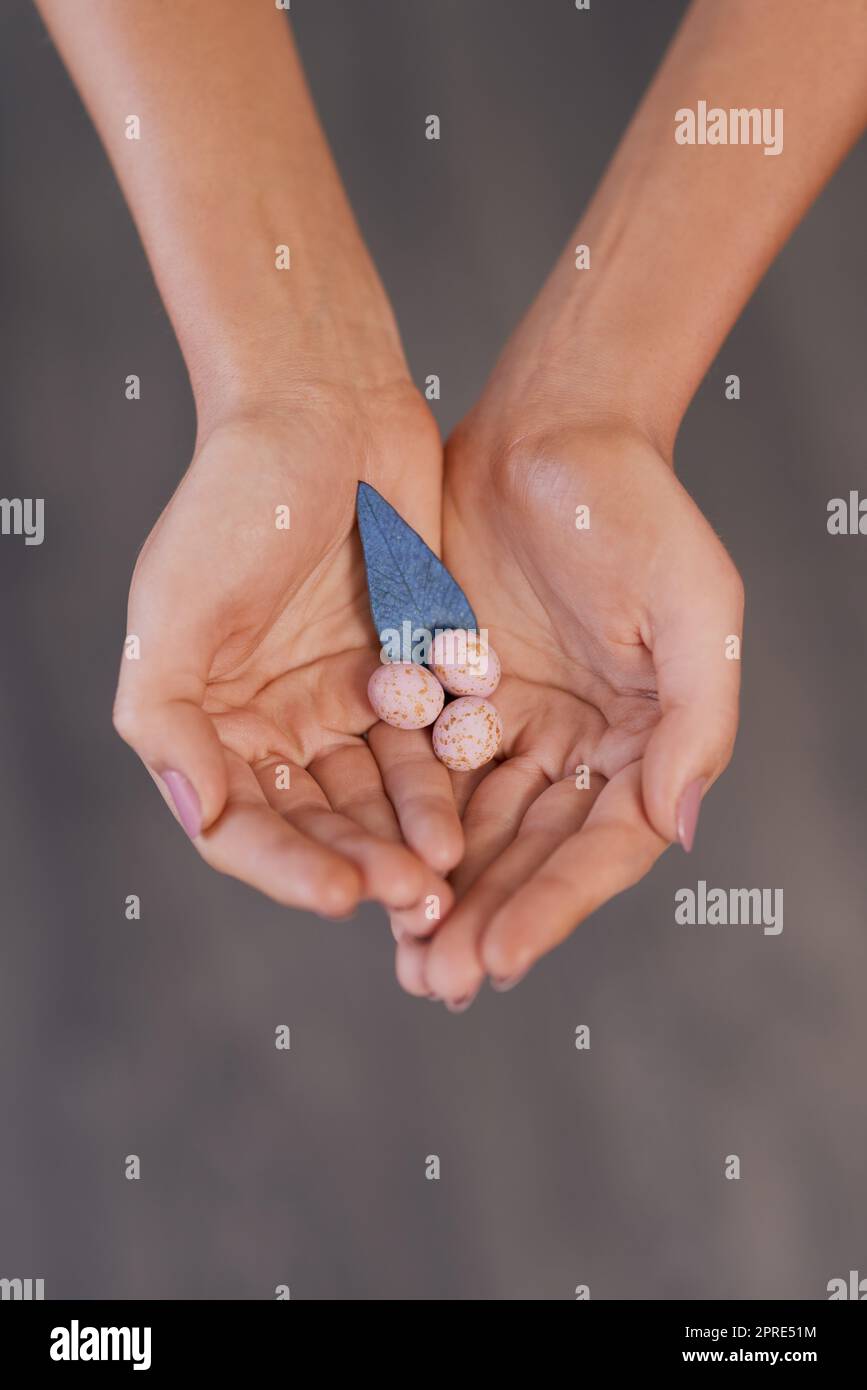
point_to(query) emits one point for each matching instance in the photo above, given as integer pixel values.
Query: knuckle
(727, 747)
(126, 720)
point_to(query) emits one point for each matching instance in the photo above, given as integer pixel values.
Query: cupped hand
(247, 701)
(619, 641)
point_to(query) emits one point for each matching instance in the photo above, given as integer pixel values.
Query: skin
(256, 649)
(265, 661)
(614, 640)
(256, 642)
(624, 687)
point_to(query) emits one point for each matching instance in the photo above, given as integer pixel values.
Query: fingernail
(507, 982)
(186, 800)
(687, 813)
(460, 1006)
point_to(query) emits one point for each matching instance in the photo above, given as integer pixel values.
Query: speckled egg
(467, 734)
(405, 695)
(465, 663)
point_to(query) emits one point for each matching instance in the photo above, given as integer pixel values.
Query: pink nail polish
(687, 813)
(186, 800)
(460, 1006)
(502, 986)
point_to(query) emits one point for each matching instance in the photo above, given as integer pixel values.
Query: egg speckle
(465, 663)
(467, 734)
(405, 695)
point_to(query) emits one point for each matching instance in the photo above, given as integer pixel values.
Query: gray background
(156, 1038)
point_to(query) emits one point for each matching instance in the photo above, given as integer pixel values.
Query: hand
(256, 647)
(256, 642)
(613, 641)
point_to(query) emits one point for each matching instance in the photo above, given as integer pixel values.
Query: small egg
(465, 663)
(405, 695)
(467, 734)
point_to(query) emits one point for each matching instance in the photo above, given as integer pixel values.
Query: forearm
(679, 234)
(231, 164)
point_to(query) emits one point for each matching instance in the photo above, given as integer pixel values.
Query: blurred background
(559, 1167)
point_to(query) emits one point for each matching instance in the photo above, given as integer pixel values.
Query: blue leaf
(406, 582)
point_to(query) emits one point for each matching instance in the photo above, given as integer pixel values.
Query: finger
(391, 874)
(160, 693)
(409, 967)
(420, 790)
(542, 724)
(613, 850)
(494, 813)
(464, 785)
(351, 781)
(454, 966)
(177, 742)
(253, 843)
(696, 651)
(424, 918)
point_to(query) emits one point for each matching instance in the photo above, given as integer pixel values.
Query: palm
(571, 613)
(566, 607)
(257, 565)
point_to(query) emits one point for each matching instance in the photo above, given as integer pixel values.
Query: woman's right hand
(245, 696)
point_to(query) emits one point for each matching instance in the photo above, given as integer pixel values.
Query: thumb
(696, 651)
(158, 712)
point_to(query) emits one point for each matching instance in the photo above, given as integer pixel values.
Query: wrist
(589, 353)
(552, 380)
(289, 341)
